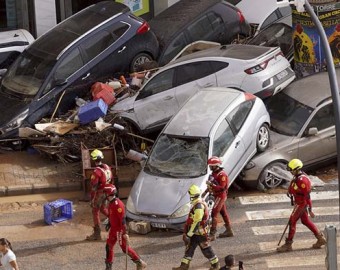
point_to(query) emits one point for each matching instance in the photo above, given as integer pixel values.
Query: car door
(191, 77)
(155, 104)
(66, 81)
(229, 146)
(314, 148)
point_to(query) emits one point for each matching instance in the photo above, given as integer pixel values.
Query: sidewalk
(23, 173)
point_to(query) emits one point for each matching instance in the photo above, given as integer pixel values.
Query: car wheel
(139, 59)
(273, 175)
(262, 140)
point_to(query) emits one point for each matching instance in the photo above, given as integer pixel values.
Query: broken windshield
(179, 157)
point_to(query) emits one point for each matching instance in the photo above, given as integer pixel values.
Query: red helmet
(214, 161)
(110, 190)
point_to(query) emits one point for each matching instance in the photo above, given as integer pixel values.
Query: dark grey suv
(189, 21)
(90, 46)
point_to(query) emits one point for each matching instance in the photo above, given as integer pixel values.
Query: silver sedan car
(216, 121)
(302, 126)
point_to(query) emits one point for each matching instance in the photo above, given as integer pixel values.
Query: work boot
(183, 266)
(215, 266)
(321, 241)
(96, 235)
(227, 233)
(140, 264)
(286, 246)
(212, 235)
(108, 266)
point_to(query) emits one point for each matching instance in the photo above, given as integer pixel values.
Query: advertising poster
(309, 56)
(138, 7)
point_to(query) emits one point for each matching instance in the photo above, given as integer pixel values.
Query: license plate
(282, 74)
(158, 225)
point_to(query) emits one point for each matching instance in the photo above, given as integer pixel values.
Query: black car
(189, 21)
(90, 46)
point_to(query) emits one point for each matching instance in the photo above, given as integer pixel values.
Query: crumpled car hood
(161, 196)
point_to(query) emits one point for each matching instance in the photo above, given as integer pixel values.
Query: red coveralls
(219, 189)
(300, 188)
(117, 230)
(101, 175)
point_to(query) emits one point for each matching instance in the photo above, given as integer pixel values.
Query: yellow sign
(138, 7)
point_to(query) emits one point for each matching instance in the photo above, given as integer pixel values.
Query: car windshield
(27, 73)
(287, 115)
(179, 157)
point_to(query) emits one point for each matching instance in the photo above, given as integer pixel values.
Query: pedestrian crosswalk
(267, 221)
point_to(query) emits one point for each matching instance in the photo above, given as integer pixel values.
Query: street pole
(332, 79)
(301, 6)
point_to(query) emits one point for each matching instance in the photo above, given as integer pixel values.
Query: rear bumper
(276, 83)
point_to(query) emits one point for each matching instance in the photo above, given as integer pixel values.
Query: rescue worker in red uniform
(300, 188)
(218, 186)
(196, 232)
(117, 230)
(101, 175)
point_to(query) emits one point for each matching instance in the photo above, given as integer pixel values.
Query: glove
(127, 238)
(107, 226)
(311, 213)
(186, 239)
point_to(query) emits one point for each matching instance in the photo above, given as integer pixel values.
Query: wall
(45, 12)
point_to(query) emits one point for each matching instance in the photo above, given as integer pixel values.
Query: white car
(12, 43)
(216, 121)
(259, 70)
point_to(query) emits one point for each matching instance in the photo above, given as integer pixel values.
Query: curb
(39, 188)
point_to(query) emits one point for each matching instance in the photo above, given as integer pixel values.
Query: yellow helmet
(194, 191)
(97, 155)
(294, 164)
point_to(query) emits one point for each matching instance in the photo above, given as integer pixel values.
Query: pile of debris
(90, 124)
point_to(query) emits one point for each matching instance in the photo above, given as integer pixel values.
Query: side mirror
(3, 71)
(312, 131)
(59, 82)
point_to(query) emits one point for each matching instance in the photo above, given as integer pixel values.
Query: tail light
(145, 27)
(261, 66)
(249, 96)
(240, 16)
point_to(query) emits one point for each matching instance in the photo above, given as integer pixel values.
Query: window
(239, 115)
(324, 118)
(69, 65)
(158, 84)
(215, 20)
(222, 140)
(217, 66)
(7, 58)
(174, 48)
(201, 29)
(192, 71)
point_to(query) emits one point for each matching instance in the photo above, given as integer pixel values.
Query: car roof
(236, 51)
(177, 16)
(311, 90)
(65, 33)
(198, 115)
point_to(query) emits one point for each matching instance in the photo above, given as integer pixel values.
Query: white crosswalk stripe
(264, 228)
(276, 198)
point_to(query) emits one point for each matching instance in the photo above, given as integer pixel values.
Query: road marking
(297, 262)
(285, 213)
(278, 229)
(297, 245)
(277, 198)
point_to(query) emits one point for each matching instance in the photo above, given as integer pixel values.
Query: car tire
(262, 138)
(139, 59)
(269, 180)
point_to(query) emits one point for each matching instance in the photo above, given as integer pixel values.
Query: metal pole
(332, 79)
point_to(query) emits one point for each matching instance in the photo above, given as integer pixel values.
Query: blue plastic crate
(92, 111)
(58, 211)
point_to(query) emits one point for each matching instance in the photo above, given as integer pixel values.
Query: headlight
(182, 211)
(15, 122)
(130, 206)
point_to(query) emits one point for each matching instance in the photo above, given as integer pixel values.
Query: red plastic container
(103, 91)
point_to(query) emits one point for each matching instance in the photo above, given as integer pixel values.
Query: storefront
(38, 16)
